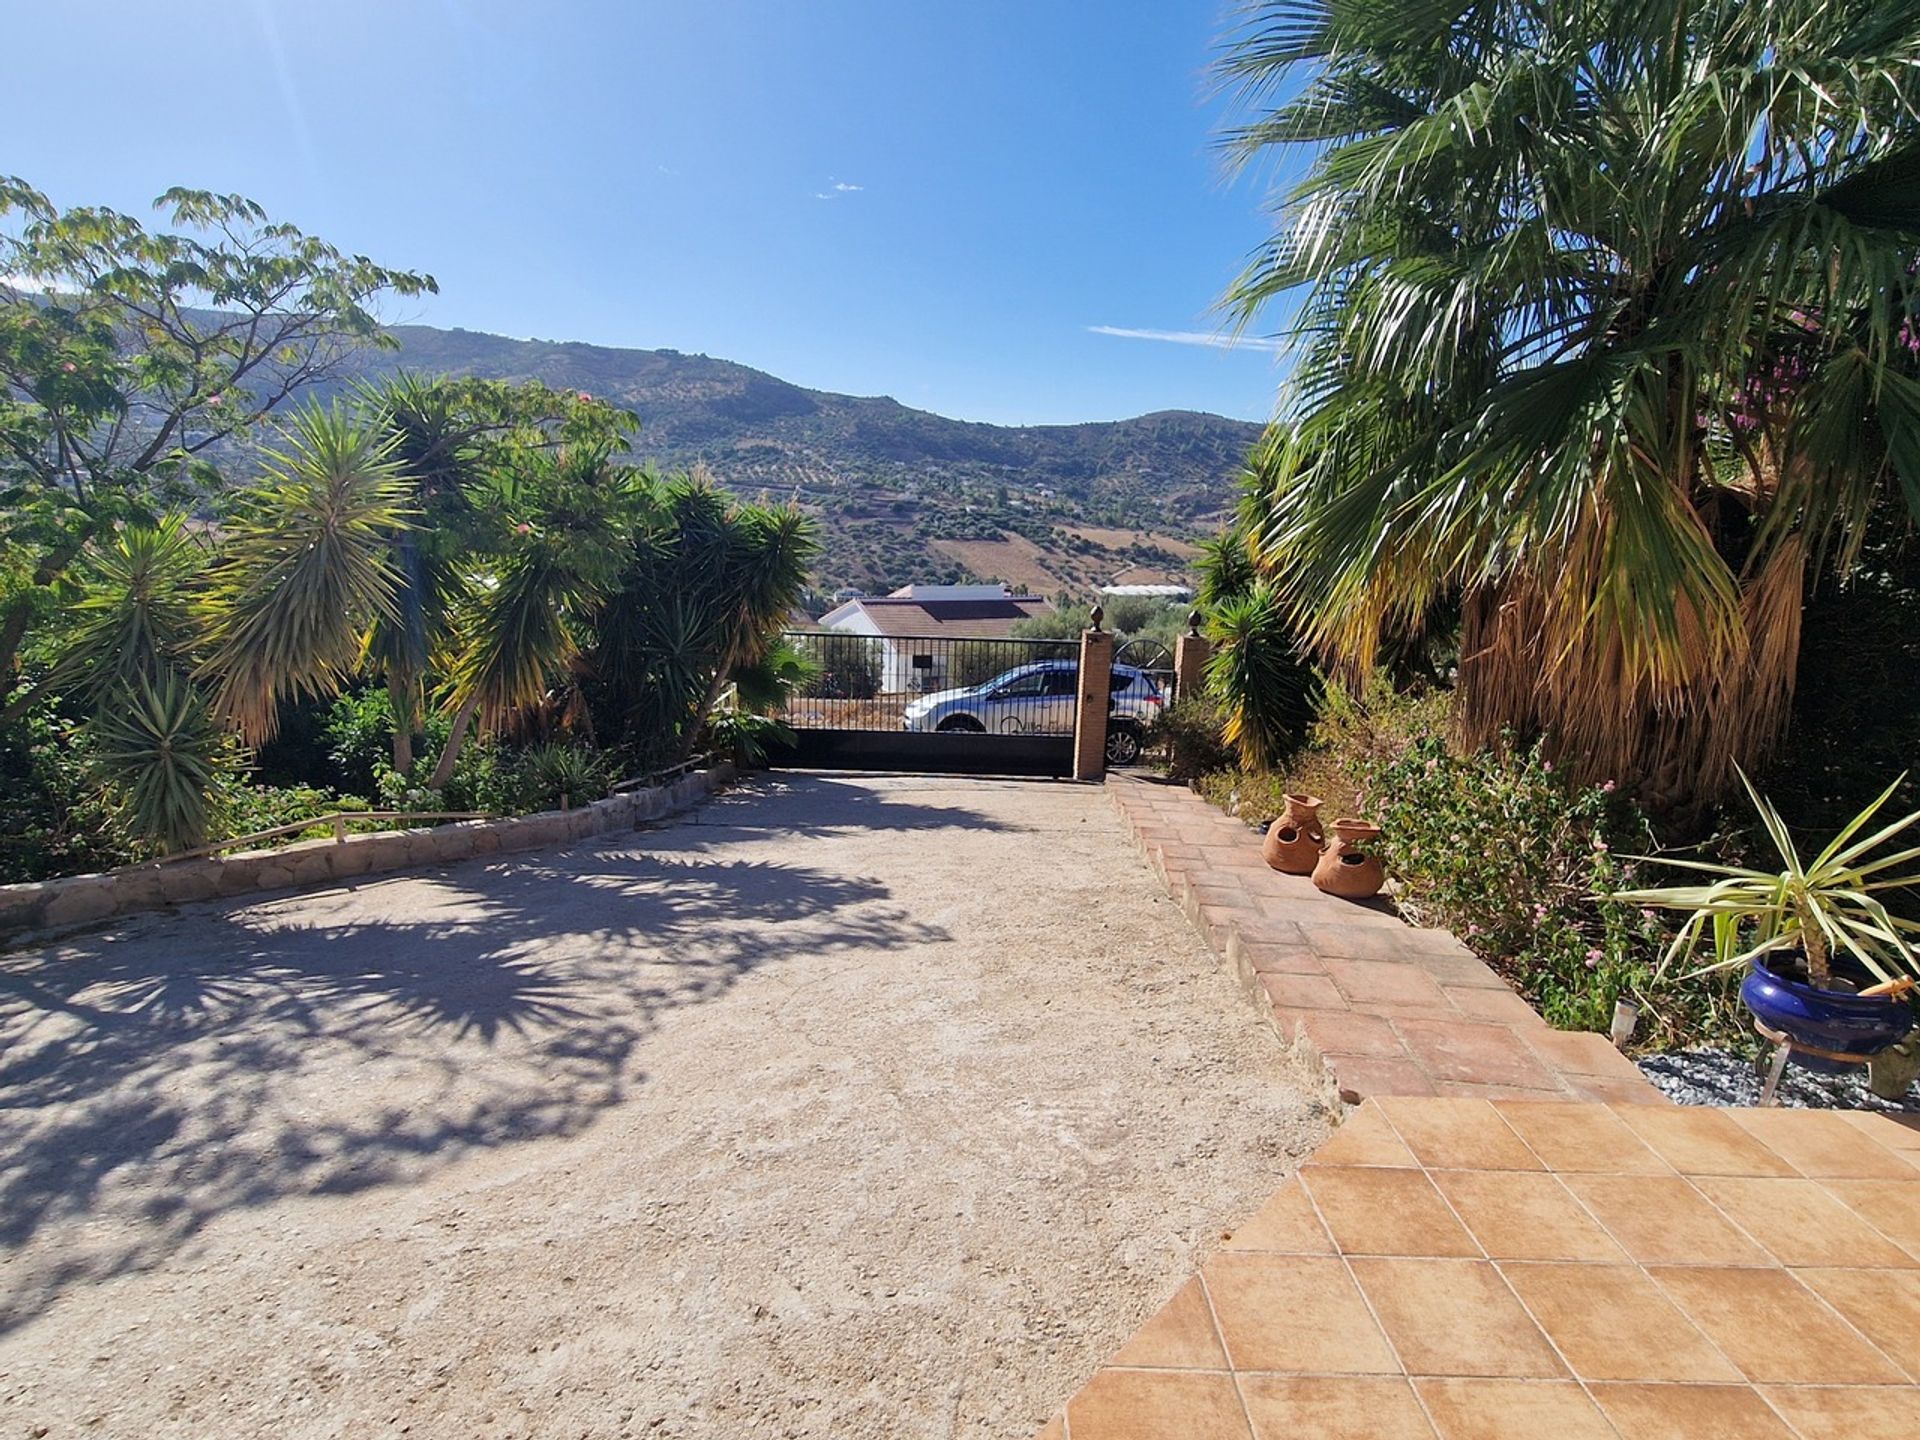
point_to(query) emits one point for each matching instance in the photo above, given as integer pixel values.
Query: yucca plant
(135, 618)
(567, 516)
(1825, 906)
(155, 751)
(306, 570)
(1257, 673)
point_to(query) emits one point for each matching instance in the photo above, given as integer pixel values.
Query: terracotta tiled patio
(1508, 1270)
(1514, 1236)
(1390, 1008)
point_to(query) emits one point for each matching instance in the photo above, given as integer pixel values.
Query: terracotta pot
(1349, 868)
(1294, 839)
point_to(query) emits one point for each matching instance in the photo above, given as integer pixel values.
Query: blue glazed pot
(1830, 1019)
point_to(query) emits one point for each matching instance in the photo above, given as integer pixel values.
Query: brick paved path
(1391, 1009)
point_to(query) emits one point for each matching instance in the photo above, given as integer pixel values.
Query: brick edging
(1385, 1007)
(43, 907)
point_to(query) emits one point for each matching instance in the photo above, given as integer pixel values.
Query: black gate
(934, 703)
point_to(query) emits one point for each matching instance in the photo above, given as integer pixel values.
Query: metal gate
(934, 703)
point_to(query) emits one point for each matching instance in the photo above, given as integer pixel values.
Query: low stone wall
(88, 899)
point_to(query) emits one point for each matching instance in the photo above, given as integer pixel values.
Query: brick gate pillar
(1090, 724)
(1190, 654)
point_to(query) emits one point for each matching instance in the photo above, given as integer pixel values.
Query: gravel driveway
(876, 1107)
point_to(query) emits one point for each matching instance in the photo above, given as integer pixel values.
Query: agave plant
(1824, 906)
(557, 773)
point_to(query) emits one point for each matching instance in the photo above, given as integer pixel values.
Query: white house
(909, 623)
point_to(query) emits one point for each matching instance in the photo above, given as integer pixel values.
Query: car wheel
(959, 725)
(1123, 744)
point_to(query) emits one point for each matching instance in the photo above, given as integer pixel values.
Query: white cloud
(836, 190)
(1212, 339)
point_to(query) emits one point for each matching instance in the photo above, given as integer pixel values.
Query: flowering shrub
(1498, 848)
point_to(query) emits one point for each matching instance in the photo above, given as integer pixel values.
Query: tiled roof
(961, 619)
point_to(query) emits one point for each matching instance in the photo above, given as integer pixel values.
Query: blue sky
(938, 202)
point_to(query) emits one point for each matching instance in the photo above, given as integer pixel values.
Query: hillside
(904, 494)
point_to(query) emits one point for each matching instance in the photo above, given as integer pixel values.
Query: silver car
(1040, 699)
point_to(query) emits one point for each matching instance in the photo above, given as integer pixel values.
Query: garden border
(39, 907)
(1387, 1008)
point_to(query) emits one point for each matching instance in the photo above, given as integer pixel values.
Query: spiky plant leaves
(703, 595)
(155, 750)
(566, 517)
(135, 618)
(1257, 673)
(553, 774)
(305, 569)
(782, 671)
(1825, 905)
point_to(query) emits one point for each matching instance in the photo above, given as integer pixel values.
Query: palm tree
(1605, 334)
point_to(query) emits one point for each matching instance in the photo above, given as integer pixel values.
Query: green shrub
(53, 819)
(743, 737)
(359, 734)
(243, 809)
(847, 665)
(1499, 849)
(1496, 847)
(1189, 735)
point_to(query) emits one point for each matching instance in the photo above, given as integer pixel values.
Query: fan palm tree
(1604, 333)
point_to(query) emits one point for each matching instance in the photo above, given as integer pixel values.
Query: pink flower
(1547, 765)
(523, 528)
(69, 367)
(216, 398)
(1607, 787)
(585, 397)
(1598, 843)
(1594, 957)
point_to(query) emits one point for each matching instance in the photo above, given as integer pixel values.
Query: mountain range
(903, 494)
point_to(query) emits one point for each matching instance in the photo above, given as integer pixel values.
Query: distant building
(1156, 592)
(916, 613)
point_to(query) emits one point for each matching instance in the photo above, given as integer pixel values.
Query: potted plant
(1829, 967)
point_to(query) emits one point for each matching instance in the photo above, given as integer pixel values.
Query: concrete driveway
(875, 1107)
